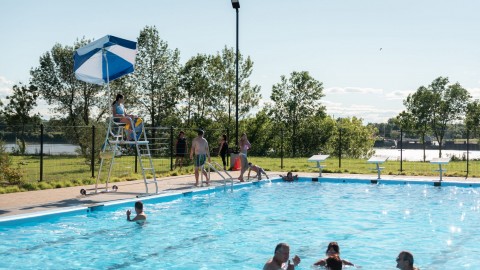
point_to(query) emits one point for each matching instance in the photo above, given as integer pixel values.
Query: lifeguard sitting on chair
(120, 116)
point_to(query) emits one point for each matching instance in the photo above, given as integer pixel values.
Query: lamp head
(235, 4)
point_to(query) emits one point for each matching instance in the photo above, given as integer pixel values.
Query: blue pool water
(239, 229)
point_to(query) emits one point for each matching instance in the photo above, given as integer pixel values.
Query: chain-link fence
(64, 153)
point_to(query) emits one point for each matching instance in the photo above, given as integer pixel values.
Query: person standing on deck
(201, 151)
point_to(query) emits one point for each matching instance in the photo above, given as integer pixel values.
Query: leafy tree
(155, 79)
(222, 72)
(198, 93)
(472, 119)
(356, 140)
(20, 105)
(56, 83)
(314, 135)
(19, 109)
(418, 113)
(262, 134)
(296, 98)
(448, 104)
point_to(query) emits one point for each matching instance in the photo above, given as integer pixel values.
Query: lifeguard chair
(115, 138)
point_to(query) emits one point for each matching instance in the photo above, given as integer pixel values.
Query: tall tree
(448, 104)
(352, 138)
(199, 97)
(56, 83)
(18, 111)
(155, 79)
(418, 107)
(221, 71)
(472, 118)
(296, 98)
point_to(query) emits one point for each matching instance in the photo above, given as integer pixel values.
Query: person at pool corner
(280, 258)
(290, 177)
(141, 216)
(259, 170)
(405, 261)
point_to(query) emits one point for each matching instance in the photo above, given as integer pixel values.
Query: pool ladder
(113, 139)
(214, 166)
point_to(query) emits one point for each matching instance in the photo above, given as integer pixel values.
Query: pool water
(240, 229)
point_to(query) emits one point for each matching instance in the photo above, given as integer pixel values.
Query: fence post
(340, 148)
(92, 162)
(228, 150)
(281, 148)
(468, 150)
(171, 148)
(401, 150)
(41, 152)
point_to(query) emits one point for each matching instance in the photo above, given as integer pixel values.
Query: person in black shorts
(223, 150)
(181, 149)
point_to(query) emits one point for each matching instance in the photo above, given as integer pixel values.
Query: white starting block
(440, 162)
(319, 159)
(377, 160)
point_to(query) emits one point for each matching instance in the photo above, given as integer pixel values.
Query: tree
(155, 79)
(418, 113)
(296, 98)
(221, 70)
(448, 104)
(56, 83)
(19, 109)
(20, 105)
(352, 138)
(198, 92)
(472, 118)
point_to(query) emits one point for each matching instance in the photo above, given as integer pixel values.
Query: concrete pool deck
(53, 199)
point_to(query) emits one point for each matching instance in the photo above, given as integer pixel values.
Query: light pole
(236, 6)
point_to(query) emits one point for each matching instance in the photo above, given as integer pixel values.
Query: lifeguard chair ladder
(111, 148)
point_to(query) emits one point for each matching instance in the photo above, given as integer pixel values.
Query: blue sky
(368, 54)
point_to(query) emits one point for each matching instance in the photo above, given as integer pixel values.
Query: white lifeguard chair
(111, 148)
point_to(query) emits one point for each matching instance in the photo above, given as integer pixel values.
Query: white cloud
(369, 113)
(347, 90)
(398, 94)
(5, 87)
(475, 92)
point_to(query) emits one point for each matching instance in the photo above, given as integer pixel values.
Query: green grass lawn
(61, 171)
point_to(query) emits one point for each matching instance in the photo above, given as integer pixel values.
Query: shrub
(30, 186)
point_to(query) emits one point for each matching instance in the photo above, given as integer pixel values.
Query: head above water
(282, 252)
(332, 249)
(405, 259)
(139, 206)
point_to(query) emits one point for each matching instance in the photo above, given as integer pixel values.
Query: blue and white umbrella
(104, 60)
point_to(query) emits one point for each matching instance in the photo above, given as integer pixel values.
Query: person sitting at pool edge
(280, 257)
(405, 261)
(140, 214)
(289, 177)
(332, 249)
(256, 169)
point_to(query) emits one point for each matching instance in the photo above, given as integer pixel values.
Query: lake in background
(392, 154)
(48, 149)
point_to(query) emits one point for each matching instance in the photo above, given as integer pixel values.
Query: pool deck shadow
(43, 200)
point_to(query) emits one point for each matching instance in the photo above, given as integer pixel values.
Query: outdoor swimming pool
(239, 229)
